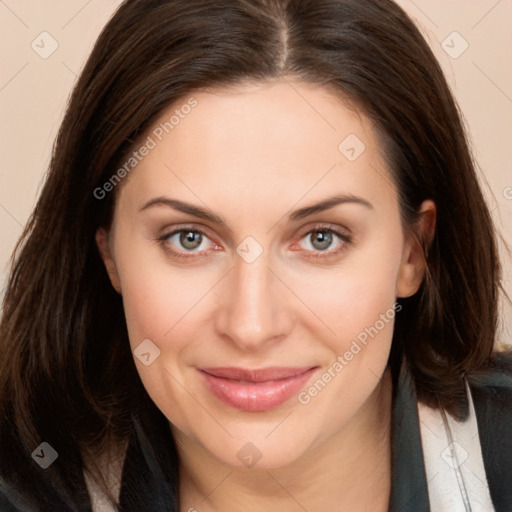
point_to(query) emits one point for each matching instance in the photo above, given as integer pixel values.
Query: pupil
(190, 239)
(321, 240)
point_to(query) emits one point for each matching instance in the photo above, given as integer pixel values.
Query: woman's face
(262, 232)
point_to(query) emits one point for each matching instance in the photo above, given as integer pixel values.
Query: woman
(261, 275)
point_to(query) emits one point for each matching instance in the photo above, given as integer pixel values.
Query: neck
(349, 471)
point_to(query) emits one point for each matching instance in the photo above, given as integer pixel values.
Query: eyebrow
(299, 214)
(329, 203)
(181, 206)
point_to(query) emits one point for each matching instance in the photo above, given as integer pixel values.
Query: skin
(252, 155)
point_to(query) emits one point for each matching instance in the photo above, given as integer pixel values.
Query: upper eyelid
(324, 226)
(304, 231)
(165, 233)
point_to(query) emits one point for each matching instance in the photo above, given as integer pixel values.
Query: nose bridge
(252, 313)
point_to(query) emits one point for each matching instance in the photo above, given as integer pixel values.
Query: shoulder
(491, 391)
(492, 397)
(467, 462)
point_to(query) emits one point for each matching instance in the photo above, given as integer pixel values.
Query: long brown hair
(67, 376)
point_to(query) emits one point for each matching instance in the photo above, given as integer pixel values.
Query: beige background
(34, 90)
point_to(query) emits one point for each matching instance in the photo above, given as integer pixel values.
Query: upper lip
(256, 375)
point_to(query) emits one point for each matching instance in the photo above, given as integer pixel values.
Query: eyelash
(182, 255)
(345, 240)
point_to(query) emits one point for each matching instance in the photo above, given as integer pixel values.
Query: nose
(254, 312)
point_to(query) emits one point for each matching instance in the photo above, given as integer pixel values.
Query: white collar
(453, 461)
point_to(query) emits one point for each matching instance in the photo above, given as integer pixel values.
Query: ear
(102, 242)
(413, 267)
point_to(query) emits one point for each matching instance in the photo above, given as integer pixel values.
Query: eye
(323, 242)
(187, 243)
(320, 240)
(189, 240)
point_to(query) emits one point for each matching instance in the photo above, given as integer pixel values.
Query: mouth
(255, 390)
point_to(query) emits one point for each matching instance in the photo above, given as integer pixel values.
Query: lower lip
(256, 397)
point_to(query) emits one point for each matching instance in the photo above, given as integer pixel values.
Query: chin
(256, 449)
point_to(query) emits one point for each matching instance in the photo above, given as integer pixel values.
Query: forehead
(273, 141)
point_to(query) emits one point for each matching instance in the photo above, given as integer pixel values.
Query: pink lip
(255, 390)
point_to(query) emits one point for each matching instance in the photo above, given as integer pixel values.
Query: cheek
(351, 297)
(157, 296)
(358, 305)
(159, 304)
